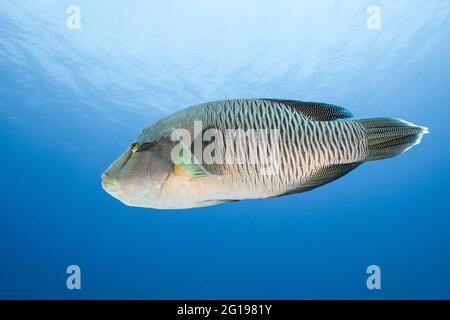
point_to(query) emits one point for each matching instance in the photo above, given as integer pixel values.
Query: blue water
(72, 99)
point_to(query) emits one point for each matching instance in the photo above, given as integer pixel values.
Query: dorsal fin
(316, 110)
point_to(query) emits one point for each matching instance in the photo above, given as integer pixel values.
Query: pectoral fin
(187, 165)
(190, 170)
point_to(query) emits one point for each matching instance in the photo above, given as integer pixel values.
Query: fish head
(137, 177)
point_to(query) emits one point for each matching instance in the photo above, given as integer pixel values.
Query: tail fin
(388, 137)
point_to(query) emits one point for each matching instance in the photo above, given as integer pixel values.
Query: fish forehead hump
(182, 119)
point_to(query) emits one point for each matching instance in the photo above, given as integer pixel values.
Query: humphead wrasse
(240, 149)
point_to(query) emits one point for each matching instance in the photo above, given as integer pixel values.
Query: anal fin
(324, 175)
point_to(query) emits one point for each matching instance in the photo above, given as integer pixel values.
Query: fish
(237, 149)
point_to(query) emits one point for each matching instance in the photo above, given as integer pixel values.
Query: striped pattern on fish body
(305, 145)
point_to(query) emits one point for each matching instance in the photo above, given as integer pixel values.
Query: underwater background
(72, 99)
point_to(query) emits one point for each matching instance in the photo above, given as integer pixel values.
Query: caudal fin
(388, 137)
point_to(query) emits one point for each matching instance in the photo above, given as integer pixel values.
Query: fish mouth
(110, 184)
(114, 189)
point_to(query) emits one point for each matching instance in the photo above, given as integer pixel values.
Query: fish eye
(134, 147)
